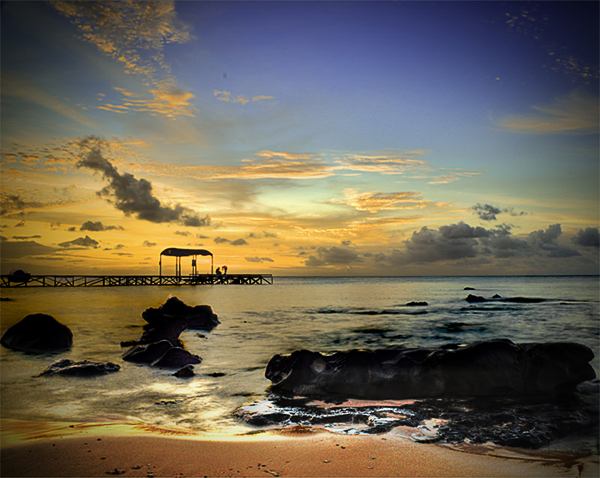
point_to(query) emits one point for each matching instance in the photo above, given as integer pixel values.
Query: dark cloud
(487, 212)
(182, 233)
(220, 240)
(333, 256)
(17, 250)
(239, 242)
(86, 241)
(10, 203)
(588, 238)
(545, 243)
(24, 238)
(97, 226)
(462, 241)
(135, 196)
(259, 259)
(148, 244)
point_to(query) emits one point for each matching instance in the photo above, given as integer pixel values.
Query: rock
(185, 372)
(469, 288)
(176, 357)
(38, 333)
(475, 298)
(80, 369)
(416, 304)
(496, 296)
(482, 369)
(147, 353)
(200, 317)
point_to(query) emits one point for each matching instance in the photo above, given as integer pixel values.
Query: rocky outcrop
(160, 345)
(80, 369)
(491, 368)
(200, 317)
(38, 333)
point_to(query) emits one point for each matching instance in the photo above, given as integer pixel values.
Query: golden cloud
(374, 202)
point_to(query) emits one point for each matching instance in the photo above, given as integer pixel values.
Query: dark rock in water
(200, 317)
(185, 372)
(469, 288)
(524, 300)
(80, 369)
(416, 304)
(147, 353)
(176, 357)
(482, 369)
(38, 333)
(475, 298)
(496, 296)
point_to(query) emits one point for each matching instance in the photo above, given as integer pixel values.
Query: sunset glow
(301, 138)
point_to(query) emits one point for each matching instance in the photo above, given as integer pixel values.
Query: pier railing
(122, 280)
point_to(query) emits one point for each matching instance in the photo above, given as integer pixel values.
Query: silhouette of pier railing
(129, 280)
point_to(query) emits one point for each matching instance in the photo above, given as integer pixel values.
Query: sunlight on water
(257, 322)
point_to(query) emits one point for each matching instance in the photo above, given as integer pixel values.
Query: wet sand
(130, 449)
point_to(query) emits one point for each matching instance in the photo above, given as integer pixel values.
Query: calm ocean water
(257, 322)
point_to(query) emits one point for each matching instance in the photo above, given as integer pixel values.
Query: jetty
(130, 280)
(221, 277)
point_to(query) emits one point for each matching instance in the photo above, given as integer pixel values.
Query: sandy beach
(129, 449)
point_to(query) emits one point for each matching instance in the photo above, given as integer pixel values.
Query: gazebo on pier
(179, 253)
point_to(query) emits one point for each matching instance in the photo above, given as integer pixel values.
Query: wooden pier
(122, 280)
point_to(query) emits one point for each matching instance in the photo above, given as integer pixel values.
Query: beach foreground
(128, 449)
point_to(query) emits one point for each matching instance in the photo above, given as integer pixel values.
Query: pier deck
(122, 280)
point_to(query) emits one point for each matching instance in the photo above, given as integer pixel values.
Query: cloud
(333, 256)
(147, 243)
(259, 259)
(18, 250)
(23, 238)
(134, 34)
(98, 226)
(462, 241)
(167, 99)
(588, 238)
(220, 240)
(239, 242)
(86, 241)
(576, 113)
(391, 162)
(545, 241)
(373, 201)
(487, 212)
(135, 196)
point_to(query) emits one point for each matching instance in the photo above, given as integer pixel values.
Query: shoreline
(127, 448)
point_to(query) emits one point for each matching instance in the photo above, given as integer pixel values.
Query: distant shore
(128, 449)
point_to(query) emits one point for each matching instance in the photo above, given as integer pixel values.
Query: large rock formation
(491, 368)
(200, 317)
(38, 333)
(160, 345)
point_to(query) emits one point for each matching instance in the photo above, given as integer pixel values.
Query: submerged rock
(417, 304)
(80, 369)
(38, 333)
(176, 357)
(185, 372)
(200, 317)
(491, 368)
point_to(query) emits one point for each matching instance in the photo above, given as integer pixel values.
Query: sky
(300, 138)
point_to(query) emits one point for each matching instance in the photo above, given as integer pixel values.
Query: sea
(229, 393)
